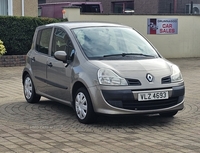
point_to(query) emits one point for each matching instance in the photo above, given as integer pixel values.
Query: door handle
(33, 59)
(50, 64)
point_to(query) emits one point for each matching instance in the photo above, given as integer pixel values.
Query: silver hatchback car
(101, 68)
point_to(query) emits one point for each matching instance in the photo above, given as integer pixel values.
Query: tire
(29, 90)
(169, 114)
(83, 106)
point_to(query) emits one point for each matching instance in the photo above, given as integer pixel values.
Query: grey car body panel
(57, 82)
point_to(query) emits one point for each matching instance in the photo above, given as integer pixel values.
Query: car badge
(149, 77)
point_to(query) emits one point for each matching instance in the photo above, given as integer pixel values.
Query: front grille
(133, 82)
(166, 80)
(149, 105)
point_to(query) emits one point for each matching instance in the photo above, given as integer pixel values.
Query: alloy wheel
(81, 105)
(28, 88)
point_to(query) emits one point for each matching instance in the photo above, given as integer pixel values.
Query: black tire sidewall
(90, 112)
(34, 97)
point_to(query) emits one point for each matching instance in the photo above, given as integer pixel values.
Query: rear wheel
(29, 90)
(83, 106)
(169, 114)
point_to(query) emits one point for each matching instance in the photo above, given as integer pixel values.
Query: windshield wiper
(125, 54)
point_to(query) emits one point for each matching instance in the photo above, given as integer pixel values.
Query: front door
(58, 72)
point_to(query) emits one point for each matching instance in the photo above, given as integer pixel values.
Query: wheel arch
(23, 76)
(89, 114)
(76, 86)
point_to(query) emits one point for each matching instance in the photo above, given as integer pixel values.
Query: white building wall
(10, 7)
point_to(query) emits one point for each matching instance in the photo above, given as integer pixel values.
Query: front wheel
(29, 90)
(83, 106)
(169, 114)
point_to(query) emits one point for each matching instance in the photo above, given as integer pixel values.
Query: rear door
(39, 58)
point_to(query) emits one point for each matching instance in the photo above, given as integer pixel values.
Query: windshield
(113, 43)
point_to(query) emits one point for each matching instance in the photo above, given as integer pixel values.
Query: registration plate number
(146, 96)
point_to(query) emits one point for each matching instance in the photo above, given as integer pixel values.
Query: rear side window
(43, 40)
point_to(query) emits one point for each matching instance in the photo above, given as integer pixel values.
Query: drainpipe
(10, 7)
(191, 8)
(22, 7)
(175, 6)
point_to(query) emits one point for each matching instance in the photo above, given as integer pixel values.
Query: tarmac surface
(50, 127)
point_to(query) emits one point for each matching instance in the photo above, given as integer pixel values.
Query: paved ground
(52, 127)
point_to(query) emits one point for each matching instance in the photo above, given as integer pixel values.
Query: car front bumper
(126, 101)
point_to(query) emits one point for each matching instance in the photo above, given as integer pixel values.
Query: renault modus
(101, 68)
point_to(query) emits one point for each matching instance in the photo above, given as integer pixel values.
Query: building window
(123, 7)
(89, 8)
(4, 7)
(41, 1)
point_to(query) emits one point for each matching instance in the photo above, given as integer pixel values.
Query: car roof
(72, 25)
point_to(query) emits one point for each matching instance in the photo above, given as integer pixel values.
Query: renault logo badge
(149, 77)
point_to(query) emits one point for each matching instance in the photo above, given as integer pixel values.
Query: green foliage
(17, 32)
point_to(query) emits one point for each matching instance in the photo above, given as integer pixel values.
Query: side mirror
(61, 56)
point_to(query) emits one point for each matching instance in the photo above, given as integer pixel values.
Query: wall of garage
(184, 44)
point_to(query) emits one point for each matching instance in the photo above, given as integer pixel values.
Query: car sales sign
(162, 26)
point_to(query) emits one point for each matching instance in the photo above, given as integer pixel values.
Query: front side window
(100, 42)
(43, 40)
(61, 42)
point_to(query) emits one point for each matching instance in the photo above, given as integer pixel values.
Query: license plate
(153, 96)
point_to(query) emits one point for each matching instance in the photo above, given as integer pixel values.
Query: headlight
(108, 77)
(176, 74)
